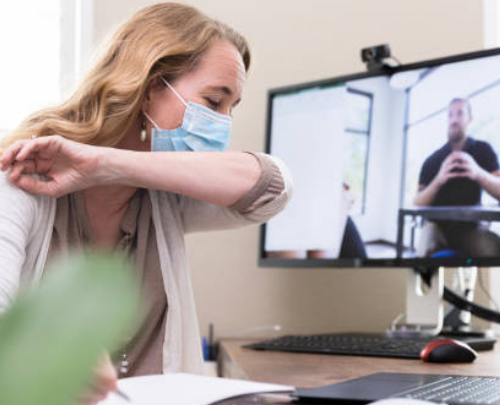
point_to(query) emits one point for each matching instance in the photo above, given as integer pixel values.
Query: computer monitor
(396, 168)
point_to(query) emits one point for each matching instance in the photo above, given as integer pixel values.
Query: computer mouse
(448, 351)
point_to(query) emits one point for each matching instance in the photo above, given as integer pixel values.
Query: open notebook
(186, 389)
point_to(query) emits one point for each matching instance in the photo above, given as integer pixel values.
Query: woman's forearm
(220, 178)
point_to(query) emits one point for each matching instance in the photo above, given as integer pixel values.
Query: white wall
(295, 41)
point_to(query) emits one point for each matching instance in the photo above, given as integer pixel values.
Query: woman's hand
(68, 165)
(104, 382)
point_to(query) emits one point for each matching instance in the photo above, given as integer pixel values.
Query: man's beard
(455, 136)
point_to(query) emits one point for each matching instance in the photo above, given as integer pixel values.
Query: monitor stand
(457, 323)
(424, 315)
(424, 306)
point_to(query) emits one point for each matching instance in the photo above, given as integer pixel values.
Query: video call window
(429, 112)
(363, 150)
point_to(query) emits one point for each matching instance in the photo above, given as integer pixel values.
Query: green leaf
(53, 336)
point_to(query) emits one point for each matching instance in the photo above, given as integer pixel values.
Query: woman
(167, 83)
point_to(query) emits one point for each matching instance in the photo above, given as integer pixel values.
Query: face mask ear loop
(174, 91)
(151, 120)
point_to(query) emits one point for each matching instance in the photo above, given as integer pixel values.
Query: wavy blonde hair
(165, 39)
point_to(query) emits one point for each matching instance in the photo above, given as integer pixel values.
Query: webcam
(374, 57)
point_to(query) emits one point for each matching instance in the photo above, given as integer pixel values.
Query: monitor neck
(424, 306)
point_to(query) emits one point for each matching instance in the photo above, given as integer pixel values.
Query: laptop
(438, 388)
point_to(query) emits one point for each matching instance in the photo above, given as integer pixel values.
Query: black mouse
(448, 351)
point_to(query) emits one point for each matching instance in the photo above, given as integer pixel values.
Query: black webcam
(374, 56)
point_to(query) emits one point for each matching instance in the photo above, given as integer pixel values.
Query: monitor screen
(398, 168)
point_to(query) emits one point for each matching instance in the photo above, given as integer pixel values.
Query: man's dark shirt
(461, 190)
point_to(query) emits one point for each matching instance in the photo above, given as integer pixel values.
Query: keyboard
(359, 344)
(458, 390)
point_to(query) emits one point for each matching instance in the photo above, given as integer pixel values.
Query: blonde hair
(165, 39)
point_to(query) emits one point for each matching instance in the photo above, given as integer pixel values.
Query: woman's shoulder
(12, 196)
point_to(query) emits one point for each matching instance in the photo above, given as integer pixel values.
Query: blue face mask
(202, 130)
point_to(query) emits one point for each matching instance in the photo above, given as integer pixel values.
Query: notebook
(186, 389)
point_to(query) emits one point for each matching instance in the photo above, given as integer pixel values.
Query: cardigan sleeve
(267, 198)
(17, 216)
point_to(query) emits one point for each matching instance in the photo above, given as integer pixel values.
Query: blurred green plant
(53, 336)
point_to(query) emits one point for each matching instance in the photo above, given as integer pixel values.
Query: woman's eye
(212, 103)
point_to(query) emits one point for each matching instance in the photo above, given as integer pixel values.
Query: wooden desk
(314, 370)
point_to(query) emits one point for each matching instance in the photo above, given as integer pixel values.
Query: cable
(475, 309)
(396, 60)
(461, 302)
(394, 323)
(485, 290)
(274, 328)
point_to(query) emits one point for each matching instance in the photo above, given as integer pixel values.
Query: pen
(122, 395)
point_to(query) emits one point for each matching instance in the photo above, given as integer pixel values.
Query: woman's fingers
(68, 165)
(47, 143)
(105, 380)
(27, 148)
(32, 184)
(35, 186)
(106, 375)
(10, 154)
(20, 168)
(91, 398)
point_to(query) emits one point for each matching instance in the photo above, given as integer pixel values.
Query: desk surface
(314, 370)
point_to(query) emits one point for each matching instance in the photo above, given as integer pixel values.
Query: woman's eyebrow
(224, 89)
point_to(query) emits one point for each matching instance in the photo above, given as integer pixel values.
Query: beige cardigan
(26, 224)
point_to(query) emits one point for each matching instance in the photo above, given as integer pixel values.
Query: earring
(143, 131)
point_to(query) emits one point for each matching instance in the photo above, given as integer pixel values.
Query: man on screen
(455, 175)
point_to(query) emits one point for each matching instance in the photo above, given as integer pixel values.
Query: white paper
(186, 389)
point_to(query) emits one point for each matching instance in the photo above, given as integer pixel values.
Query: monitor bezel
(363, 263)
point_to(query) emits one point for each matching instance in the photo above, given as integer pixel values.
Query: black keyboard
(359, 344)
(458, 390)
